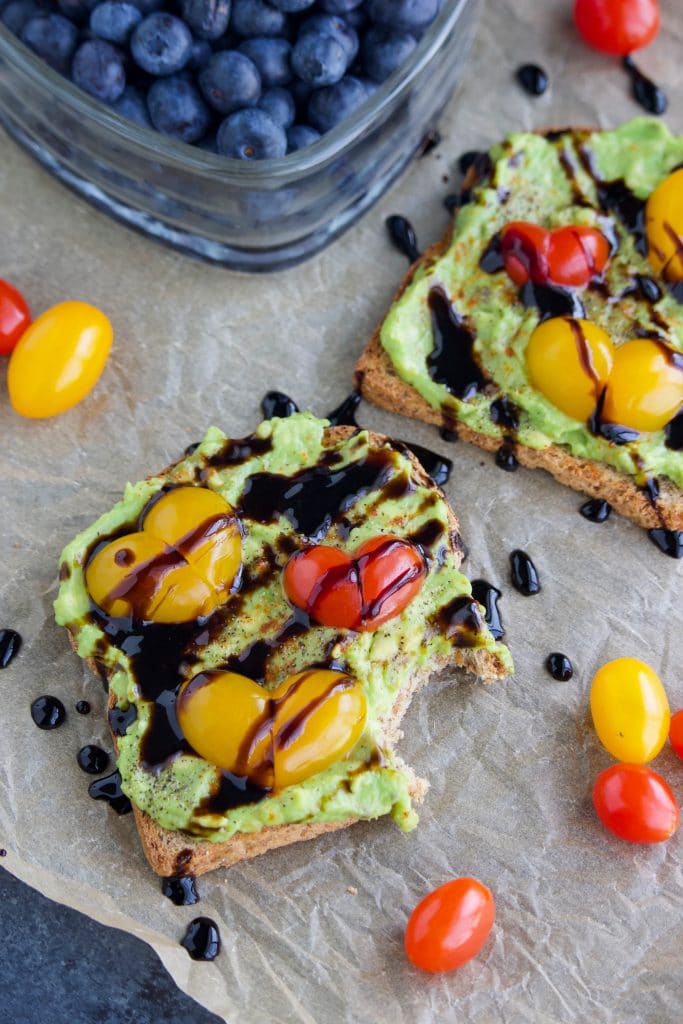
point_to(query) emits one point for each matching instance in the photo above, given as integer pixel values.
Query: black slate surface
(56, 967)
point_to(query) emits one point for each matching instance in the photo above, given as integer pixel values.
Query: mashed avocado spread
(179, 791)
(552, 181)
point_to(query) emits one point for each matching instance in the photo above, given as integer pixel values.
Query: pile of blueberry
(250, 79)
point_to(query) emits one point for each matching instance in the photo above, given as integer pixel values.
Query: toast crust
(380, 384)
(172, 852)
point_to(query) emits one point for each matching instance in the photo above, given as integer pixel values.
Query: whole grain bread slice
(379, 383)
(179, 853)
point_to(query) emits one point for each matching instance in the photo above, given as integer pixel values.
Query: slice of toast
(379, 383)
(174, 852)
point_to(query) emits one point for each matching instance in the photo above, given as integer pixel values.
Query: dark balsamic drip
(491, 260)
(524, 574)
(551, 300)
(488, 596)
(555, 134)
(235, 452)
(669, 542)
(428, 534)
(461, 621)
(617, 198)
(253, 660)
(64, 572)
(452, 361)
(109, 789)
(596, 510)
(345, 414)
(192, 448)
(644, 90)
(505, 413)
(402, 234)
(674, 433)
(430, 141)
(676, 290)
(202, 939)
(506, 458)
(277, 403)
(448, 432)
(83, 707)
(3, 853)
(651, 488)
(312, 498)
(559, 666)
(437, 467)
(468, 159)
(532, 79)
(648, 288)
(232, 791)
(452, 202)
(48, 712)
(120, 719)
(181, 890)
(10, 644)
(569, 168)
(612, 432)
(92, 760)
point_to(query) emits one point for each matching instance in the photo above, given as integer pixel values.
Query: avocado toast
(452, 349)
(294, 487)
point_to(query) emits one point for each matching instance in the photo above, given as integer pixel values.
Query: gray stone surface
(59, 967)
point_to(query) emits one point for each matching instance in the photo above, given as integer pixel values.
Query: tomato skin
(676, 732)
(617, 26)
(450, 925)
(630, 710)
(58, 360)
(15, 316)
(635, 804)
(570, 256)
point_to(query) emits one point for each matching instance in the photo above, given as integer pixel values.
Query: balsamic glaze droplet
(559, 666)
(551, 300)
(83, 707)
(10, 643)
(277, 403)
(645, 91)
(448, 434)
(3, 853)
(109, 789)
(505, 413)
(430, 141)
(491, 260)
(596, 510)
(192, 448)
(202, 939)
(47, 712)
(532, 79)
(669, 542)
(506, 458)
(488, 596)
(403, 236)
(452, 361)
(452, 202)
(524, 574)
(92, 760)
(467, 159)
(345, 414)
(181, 890)
(674, 433)
(648, 288)
(120, 719)
(438, 467)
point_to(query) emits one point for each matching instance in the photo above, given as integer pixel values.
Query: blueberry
(208, 19)
(177, 109)
(356, 19)
(114, 20)
(338, 6)
(161, 44)
(271, 57)
(97, 68)
(292, 6)
(300, 135)
(319, 59)
(383, 51)
(332, 25)
(53, 38)
(251, 135)
(19, 12)
(148, 6)
(133, 105)
(256, 18)
(403, 15)
(333, 103)
(77, 10)
(201, 54)
(279, 105)
(230, 81)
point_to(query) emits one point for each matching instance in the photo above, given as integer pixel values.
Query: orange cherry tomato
(15, 316)
(617, 26)
(450, 925)
(635, 804)
(676, 732)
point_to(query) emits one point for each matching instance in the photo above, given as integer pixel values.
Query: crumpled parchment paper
(588, 927)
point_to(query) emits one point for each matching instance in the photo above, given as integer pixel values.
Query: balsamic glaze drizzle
(532, 79)
(277, 403)
(596, 510)
(92, 760)
(452, 361)
(344, 415)
(644, 90)
(10, 644)
(48, 712)
(402, 234)
(524, 574)
(181, 890)
(202, 939)
(437, 467)
(83, 707)
(109, 789)
(488, 596)
(559, 666)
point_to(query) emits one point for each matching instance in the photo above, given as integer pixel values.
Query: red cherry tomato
(524, 248)
(617, 26)
(15, 316)
(676, 732)
(570, 256)
(635, 804)
(450, 925)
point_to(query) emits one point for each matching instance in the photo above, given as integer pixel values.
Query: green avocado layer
(362, 785)
(545, 181)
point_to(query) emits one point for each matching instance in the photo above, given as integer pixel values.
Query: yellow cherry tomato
(645, 388)
(630, 710)
(179, 567)
(276, 738)
(664, 226)
(59, 359)
(569, 361)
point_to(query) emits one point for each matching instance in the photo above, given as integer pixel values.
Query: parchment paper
(588, 928)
